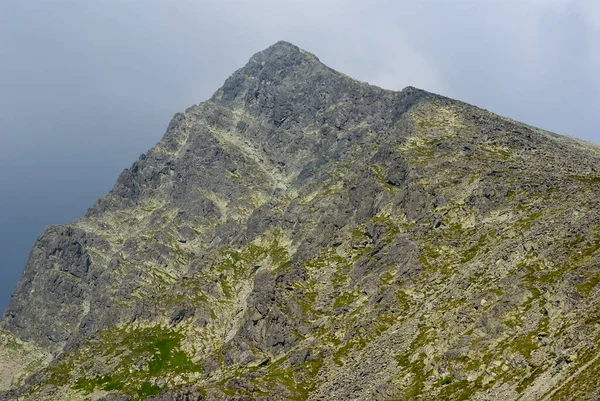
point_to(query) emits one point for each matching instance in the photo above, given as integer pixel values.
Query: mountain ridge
(303, 235)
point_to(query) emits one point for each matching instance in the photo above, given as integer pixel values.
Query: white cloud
(590, 9)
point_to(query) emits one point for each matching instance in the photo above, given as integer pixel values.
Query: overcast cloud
(86, 86)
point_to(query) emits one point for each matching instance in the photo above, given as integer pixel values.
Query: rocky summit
(306, 236)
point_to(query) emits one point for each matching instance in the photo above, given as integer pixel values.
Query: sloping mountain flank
(305, 236)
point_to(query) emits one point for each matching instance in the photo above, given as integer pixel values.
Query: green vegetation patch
(588, 179)
(455, 390)
(137, 360)
(589, 284)
(12, 344)
(380, 177)
(298, 381)
(478, 247)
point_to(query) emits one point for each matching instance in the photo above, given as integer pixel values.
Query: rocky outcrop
(53, 294)
(302, 235)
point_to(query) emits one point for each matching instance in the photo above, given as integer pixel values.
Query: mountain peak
(285, 72)
(281, 46)
(280, 64)
(282, 50)
(303, 235)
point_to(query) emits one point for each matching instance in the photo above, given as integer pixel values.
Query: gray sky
(87, 86)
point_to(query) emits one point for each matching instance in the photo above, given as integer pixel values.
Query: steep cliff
(302, 235)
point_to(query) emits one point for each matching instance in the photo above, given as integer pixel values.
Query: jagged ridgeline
(305, 236)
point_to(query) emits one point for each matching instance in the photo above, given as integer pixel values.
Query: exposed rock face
(302, 235)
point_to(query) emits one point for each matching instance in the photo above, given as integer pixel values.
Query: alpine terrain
(305, 236)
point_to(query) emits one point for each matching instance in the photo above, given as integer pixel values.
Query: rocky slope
(305, 236)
